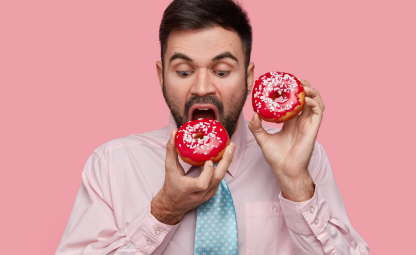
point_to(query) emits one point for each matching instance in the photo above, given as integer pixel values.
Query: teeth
(204, 109)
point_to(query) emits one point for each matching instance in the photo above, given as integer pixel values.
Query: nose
(203, 84)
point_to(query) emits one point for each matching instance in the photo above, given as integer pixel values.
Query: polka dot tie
(216, 224)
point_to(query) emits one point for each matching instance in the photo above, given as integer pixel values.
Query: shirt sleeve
(321, 224)
(92, 228)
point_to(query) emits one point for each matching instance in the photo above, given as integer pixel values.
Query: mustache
(208, 99)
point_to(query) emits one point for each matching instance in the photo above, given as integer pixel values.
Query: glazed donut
(272, 85)
(200, 140)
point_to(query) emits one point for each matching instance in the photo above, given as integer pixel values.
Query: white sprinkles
(201, 145)
(278, 82)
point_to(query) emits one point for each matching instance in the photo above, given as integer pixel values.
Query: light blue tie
(216, 224)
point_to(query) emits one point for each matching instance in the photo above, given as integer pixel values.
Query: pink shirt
(111, 214)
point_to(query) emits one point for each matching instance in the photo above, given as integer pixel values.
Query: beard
(227, 117)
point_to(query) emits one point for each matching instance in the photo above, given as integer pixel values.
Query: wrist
(297, 189)
(163, 212)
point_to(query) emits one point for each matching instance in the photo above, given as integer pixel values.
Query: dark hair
(200, 14)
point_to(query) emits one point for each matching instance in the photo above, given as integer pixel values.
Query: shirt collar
(239, 138)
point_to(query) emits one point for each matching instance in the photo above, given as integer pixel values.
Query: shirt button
(149, 242)
(311, 209)
(157, 232)
(316, 221)
(275, 208)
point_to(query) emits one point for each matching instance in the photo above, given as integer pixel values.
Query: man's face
(204, 76)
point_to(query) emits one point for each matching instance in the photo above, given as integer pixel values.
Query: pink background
(75, 74)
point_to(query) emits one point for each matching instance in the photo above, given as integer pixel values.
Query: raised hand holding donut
(181, 193)
(288, 152)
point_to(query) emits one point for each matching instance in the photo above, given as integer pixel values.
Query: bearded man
(138, 197)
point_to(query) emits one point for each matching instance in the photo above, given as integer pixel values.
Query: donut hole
(278, 98)
(199, 135)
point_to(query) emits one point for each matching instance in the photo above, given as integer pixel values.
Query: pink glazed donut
(200, 140)
(272, 85)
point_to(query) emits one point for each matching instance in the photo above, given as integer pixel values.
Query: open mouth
(203, 112)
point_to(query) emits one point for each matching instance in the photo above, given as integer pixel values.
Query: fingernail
(210, 163)
(231, 148)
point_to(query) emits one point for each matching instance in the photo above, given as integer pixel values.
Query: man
(137, 197)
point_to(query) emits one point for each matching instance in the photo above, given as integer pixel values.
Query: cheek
(177, 89)
(232, 92)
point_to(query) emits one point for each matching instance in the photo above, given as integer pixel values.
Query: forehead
(203, 44)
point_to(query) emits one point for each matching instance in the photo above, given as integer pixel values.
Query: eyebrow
(216, 58)
(225, 55)
(180, 55)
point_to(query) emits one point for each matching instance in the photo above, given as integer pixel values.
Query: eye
(222, 73)
(184, 74)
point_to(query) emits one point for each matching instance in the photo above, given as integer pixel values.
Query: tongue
(204, 114)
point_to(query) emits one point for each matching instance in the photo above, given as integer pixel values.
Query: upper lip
(202, 106)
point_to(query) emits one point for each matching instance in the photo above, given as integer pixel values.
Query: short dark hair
(200, 14)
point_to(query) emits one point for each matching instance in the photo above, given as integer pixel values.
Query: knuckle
(201, 186)
(195, 197)
(216, 179)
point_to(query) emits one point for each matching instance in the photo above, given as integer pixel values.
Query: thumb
(171, 162)
(257, 129)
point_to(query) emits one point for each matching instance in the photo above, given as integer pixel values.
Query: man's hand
(181, 193)
(288, 152)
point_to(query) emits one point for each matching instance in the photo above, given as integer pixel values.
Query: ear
(159, 70)
(250, 77)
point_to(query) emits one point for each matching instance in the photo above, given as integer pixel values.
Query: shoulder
(123, 149)
(155, 138)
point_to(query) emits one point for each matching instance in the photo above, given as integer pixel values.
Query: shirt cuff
(148, 234)
(308, 217)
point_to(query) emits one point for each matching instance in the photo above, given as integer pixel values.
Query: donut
(272, 85)
(200, 140)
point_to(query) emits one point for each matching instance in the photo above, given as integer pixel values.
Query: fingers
(171, 162)
(314, 100)
(210, 193)
(209, 177)
(223, 165)
(218, 174)
(314, 94)
(203, 181)
(257, 129)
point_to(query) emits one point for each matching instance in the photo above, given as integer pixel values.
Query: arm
(91, 228)
(307, 207)
(320, 225)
